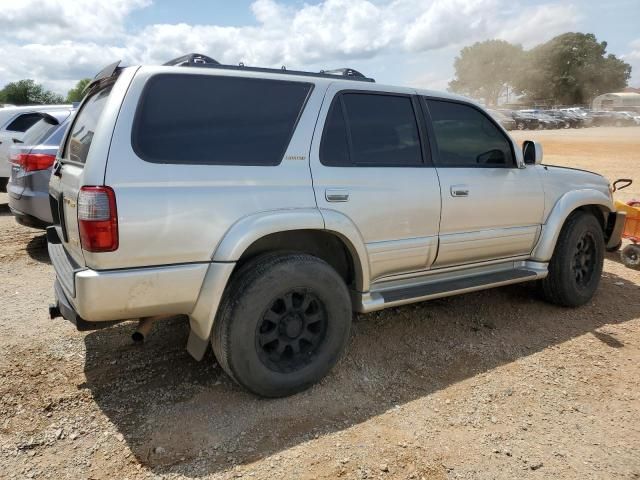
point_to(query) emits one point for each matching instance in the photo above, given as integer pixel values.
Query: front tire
(576, 265)
(283, 324)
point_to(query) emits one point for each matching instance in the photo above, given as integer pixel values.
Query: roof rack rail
(199, 60)
(192, 60)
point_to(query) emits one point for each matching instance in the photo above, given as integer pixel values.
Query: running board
(430, 286)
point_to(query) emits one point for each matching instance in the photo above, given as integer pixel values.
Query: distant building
(617, 101)
(631, 90)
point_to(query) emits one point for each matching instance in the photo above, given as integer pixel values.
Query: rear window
(84, 126)
(40, 131)
(208, 120)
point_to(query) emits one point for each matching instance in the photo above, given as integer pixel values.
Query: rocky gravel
(489, 385)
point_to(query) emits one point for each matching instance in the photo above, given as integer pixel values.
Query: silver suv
(268, 205)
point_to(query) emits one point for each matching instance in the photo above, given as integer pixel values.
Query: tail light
(30, 162)
(98, 219)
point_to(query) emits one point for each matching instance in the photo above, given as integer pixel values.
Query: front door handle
(336, 195)
(459, 191)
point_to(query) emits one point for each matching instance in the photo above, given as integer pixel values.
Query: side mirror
(532, 152)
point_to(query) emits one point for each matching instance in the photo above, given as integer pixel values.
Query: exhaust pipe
(144, 328)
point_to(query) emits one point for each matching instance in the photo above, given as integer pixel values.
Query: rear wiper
(16, 140)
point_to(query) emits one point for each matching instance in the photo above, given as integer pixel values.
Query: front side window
(365, 129)
(84, 126)
(217, 120)
(467, 138)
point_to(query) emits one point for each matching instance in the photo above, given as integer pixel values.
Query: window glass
(23, 122)
(467, 138)
(334, 149)
(217, 120)
(39, 131)
(56, 137)
(383, 130)
(84, 126)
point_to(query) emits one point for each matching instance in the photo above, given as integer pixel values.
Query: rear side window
(23, 122)
(371, 130)
(217, 120)
(84, 126)
(468, 138)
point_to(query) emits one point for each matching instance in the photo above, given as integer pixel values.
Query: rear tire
(576, 265)
(283, 324)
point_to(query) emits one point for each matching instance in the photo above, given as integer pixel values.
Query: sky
(402, 42)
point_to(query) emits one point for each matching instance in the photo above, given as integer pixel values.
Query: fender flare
(566, 204)
(242, 235)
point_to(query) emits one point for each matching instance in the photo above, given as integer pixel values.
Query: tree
(77, 93)
(486, 69)
(27, 92)
(571, 68)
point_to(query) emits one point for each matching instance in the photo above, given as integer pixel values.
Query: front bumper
(616, 220)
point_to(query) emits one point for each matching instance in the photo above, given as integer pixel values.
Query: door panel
(395, 208)
(488, 212)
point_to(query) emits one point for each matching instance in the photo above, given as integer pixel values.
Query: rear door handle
(459, 191)
(336, 195)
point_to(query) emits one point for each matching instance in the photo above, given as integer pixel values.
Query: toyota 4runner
(267, 205)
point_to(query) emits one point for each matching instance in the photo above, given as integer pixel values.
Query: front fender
(566, 204)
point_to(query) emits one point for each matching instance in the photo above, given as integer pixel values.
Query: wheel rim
(291, 331)
(584, 259)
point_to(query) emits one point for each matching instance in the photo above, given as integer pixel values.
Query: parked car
(612, 119)
(568, 119)
(14, 122)
(525, 121)
(267, 205)
(31, 164)
(506, 121)
(545, 121)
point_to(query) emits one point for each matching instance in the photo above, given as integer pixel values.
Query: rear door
(370, 162)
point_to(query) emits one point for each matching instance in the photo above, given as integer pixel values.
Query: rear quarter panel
(171, 214)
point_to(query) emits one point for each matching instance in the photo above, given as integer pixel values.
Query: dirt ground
(490, 385)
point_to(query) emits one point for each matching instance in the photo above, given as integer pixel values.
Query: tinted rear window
(84, 126)
(198, 119)
(40, 131)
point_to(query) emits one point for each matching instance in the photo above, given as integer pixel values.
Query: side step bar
(433, 287)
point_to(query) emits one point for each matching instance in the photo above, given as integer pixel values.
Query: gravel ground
(487, 385)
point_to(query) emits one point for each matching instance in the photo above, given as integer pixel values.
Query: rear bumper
(27, 220)
(111, 295)
(32, 206)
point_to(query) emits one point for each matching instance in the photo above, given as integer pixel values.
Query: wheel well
(325, 245)
(601, 213)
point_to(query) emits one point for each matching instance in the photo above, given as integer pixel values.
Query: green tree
(27, 92)
(77, 93)
(486, 69)
(571, 68)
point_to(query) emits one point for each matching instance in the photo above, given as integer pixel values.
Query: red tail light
(98, 219)
(30, 162)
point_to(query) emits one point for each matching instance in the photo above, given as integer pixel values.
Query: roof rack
(199, 60)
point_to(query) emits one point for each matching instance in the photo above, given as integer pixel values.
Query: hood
(558, 180)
